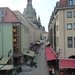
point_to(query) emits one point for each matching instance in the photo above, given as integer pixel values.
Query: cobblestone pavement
(41, 65)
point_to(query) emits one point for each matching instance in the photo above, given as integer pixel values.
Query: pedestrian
(40, 53)
(53, 71)
(50, 70)
(72, 73)
(61, 73)
(35, 65)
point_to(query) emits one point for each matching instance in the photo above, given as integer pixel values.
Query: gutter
(2, 41)
(64, 31)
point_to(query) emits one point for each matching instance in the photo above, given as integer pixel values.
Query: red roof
(66, 63)
(9, 16)
(50, 55)
(62, 3)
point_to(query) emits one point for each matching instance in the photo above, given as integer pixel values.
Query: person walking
(50, 70)
(53, 71)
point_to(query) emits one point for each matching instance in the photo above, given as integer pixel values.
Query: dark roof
(9, 16)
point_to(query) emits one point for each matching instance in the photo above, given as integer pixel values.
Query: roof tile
(9, 16)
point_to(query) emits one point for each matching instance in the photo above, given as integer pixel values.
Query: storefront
(51, 57)
(67, 65)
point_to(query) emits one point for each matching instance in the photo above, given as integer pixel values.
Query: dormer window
(2, 13)
(73, 2)
(70, 2)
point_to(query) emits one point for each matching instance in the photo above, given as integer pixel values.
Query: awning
(17, 55)
(38, 43)
(0, 57)
(1, 66)
(67, 63)
(48, 43)
(4, 60)
(29, 53)
(48, 50)
(50, 55)
(7, 67)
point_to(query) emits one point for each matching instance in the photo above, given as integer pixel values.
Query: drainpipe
(64, 31)
(2, 41)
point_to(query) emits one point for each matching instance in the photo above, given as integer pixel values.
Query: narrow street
(41, 64)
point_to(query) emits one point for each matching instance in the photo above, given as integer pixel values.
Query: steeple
(39, 19)
(29, 3)
(30, 12)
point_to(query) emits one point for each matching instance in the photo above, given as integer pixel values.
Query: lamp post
(9, 53)
(59, 52)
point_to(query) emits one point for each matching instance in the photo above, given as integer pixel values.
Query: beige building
(33, 36)
(62, 28)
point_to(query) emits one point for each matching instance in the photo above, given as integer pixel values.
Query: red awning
(48, 51)
(67, 63)
(50, 55)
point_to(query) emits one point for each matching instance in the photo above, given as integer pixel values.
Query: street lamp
(9, 53)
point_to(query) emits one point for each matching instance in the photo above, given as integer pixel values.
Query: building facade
(14, 36)
(62, 27)
(45, 35)
(35, 27)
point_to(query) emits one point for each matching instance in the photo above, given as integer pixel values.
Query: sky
(43, 8)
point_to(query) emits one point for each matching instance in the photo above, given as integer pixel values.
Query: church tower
(29, 3)
(29, 12)
(39, 19)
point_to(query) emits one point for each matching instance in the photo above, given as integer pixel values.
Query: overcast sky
(43, 8)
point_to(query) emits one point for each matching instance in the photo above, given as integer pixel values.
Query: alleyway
(41, 65)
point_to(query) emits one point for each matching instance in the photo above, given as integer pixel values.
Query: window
(2, 12)
(70, 2)
(74, 26)
(69, 42)
(74, 14)
(69, 14)
(69, 26)
(74, 42)
(73, 2)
